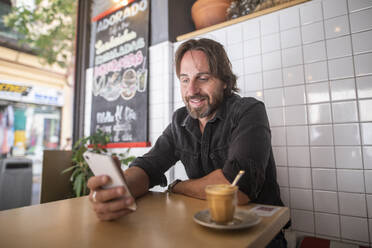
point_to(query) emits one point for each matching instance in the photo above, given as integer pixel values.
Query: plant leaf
(127, 160)
(68, 169)
(78, 185)
(81, 171)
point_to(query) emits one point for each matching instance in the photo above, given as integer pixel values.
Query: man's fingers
(105, 195)
(109, 204)
(94, 183)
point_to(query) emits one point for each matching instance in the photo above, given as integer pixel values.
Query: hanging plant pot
(206, 13)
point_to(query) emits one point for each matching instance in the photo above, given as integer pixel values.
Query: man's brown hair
(219, 63)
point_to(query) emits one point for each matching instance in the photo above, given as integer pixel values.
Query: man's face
(201, 92)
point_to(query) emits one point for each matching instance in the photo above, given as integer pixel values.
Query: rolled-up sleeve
(159, 159)
(249, 150)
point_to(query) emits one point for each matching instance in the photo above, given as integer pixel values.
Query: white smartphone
(102, 164)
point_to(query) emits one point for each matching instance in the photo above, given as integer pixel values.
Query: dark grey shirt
(237, 138)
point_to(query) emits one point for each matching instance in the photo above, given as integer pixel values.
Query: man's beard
(203, 112)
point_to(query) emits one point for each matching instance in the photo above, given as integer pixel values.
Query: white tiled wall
(164, 98)
(160, 94)
(312, 66)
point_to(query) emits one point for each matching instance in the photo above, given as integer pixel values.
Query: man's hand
(109, 204)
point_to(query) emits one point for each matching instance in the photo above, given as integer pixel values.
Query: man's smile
(196, 101)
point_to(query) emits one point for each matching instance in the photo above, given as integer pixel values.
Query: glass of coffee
(222, 200)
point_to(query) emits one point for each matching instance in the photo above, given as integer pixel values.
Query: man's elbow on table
(243, 199)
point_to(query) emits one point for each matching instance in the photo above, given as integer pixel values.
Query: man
(215, 135)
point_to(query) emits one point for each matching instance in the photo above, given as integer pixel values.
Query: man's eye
(204, 79)
(184, 80)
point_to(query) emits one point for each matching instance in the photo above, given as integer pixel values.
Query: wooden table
(161, 220)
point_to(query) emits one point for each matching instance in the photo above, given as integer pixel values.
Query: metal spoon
(240, 174)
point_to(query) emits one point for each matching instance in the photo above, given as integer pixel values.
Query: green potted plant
(80, 169)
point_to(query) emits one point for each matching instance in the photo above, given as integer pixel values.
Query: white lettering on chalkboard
(120, 16)
(117, 28)
(105, 117)
(118, 113)
(125, 126)
(115, 41)
(120, 51)
(106, 129)
(129, 114)
(130, 60)
(127, 135)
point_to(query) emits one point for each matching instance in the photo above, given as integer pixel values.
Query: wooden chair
(54, 185)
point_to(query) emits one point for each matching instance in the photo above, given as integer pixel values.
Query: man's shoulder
(249, 108)
(243, 104)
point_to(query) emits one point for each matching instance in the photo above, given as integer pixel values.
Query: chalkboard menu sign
(120, 77)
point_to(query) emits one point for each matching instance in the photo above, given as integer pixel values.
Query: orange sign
(23, 90)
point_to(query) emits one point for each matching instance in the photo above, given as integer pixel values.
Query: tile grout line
(307, 125)
(359, 124)
(283, 112)
(333, 132)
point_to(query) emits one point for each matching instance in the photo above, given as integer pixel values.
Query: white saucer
(242, 219)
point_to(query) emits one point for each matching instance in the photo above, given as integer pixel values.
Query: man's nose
(193, 87)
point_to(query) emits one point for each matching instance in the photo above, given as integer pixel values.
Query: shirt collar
(192, 126)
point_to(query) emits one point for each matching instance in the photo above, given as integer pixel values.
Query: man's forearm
(137, 181)
(195, 187)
